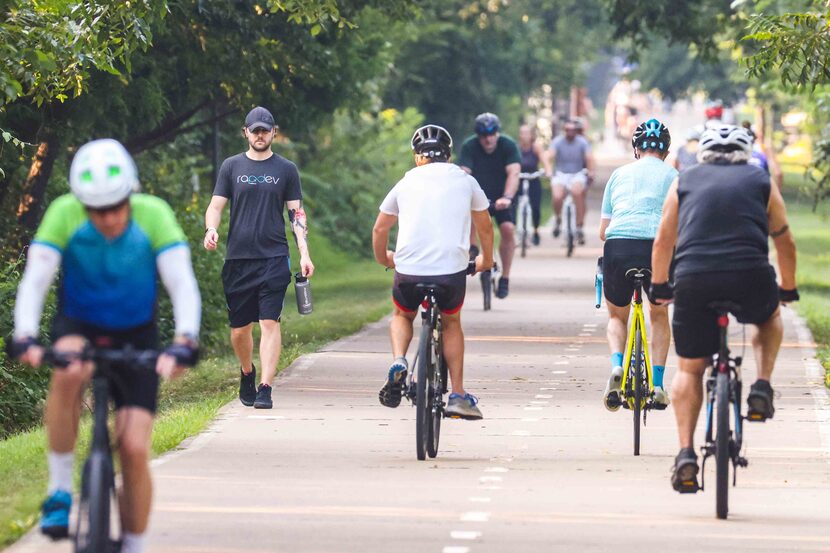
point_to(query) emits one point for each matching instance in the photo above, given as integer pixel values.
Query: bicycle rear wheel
(423, 397)
(722, 453)
(436, 409)
(92, 534)
(637, 367)
(486, 289)
(571, 231)
(525, 224)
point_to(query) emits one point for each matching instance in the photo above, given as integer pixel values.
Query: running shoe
(463, 407)
(263, 397)
(503, 288)
(390, 394)
(684, 473)
(580, 237)
(247, 386)
(611, 397)
(536, 239)
(54, 521)
(557, 229)
(760, 401)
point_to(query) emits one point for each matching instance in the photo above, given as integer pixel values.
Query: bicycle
(569, 210)
(723, 387)
(93, 532)
(524, 215)
(637, 384)
(427, 385)
(488, 283)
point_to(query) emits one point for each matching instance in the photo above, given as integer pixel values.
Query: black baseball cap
(259, 118)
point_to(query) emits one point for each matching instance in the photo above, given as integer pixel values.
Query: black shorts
(129, 388)
(255, 289)
(450, 299)
(620, 255)
(503, 215)
(695, 325)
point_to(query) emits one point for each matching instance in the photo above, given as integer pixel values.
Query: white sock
(132, 543)
(60, 471)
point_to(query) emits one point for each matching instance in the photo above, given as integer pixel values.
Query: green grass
(812, 236)
(348, 293)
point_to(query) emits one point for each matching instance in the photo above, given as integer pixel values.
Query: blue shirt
(634, 197)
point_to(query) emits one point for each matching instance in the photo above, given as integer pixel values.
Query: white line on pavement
(465, 535)
(475, 516)
(455, 549)
(496, 469)
(480, 499)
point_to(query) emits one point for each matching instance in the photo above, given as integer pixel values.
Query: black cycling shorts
(502, 215)
(620, 255)
(255, 289)
(695, 325)
(450, 299)
(128, 388)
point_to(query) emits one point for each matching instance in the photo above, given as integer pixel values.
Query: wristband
(185, 354)
(207, 230)
(15, 348)
(663, 291)
(788, 296)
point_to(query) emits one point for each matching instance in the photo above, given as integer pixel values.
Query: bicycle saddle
(637, 274)
(425, 287)
(724, 307)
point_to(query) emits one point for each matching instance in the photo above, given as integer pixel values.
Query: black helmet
(651, 135)
(432, 141)
(487, 123)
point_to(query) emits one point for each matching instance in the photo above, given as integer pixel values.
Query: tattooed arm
(299, 226)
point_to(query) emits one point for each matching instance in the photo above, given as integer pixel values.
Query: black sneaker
(263, 397)
(684, 474)
(536, 238)
(760, 401)
(247, 386)
(503, 288)
(556, 229)
(580, 237)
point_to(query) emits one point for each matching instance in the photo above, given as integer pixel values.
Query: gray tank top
(685, 158)
(722, 218)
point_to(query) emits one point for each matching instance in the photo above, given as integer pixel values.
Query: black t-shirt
(258, 191)
(489, 169)
(722, 218)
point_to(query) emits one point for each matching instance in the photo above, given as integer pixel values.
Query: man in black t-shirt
(720, 215)
(495, 162)
(260, 185)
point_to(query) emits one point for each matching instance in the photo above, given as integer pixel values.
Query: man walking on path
(260, 185)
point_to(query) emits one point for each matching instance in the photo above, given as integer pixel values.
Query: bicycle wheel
(722, 454)
(525, 217)
(435, 411)
(486, 289)
(637, 367)
(571, 230)
(93, 528)
(423, 393)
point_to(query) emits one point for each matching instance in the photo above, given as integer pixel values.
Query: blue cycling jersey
(634, 197)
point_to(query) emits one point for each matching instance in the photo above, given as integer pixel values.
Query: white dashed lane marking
(475, 516)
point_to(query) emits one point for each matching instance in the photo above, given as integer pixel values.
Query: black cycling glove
(185, 354)
(16, 348)
(664, 291)
(788, 296)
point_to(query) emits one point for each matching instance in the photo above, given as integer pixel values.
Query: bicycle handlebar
(132, 358)
(530, 176)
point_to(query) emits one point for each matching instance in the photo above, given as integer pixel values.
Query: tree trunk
(30, 209)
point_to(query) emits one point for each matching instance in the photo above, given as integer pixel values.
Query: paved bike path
(548, 469)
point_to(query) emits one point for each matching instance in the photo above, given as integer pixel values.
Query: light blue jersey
(634, 197)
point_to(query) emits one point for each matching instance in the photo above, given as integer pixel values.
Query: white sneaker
(660, 397)
(611, 398)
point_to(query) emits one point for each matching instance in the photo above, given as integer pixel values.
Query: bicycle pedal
(688, 486)
(755, 416)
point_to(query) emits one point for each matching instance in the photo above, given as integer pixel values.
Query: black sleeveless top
(722, 218)
(530, 161)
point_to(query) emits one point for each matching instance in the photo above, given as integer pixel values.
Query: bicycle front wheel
(722, 453)
(486, 289)
(569, 217)
(525, 227)
(93, 529)
(423, 399)
(637, 367)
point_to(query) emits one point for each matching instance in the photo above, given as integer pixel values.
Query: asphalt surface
(547, 470)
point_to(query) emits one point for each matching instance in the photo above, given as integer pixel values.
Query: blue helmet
(651, 135)
(487, 123)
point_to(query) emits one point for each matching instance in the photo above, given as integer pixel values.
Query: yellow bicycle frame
(638, 321)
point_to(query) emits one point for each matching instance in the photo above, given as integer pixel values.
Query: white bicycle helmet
(726, 138)
(102, 174)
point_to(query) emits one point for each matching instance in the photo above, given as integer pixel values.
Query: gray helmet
(487, 123)
(726, 138)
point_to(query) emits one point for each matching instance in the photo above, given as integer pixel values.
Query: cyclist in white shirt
(433, 205)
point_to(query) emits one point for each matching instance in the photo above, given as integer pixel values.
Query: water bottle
(598, 282)
(302, 288)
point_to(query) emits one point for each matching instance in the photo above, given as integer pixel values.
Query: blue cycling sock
(657, 377)
(616, 359)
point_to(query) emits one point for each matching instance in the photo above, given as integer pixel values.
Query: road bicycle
(93, 532)
(427, 385)
(524, 215)
(637, 384)
(488, 279)
(723, 398)
(569, 210)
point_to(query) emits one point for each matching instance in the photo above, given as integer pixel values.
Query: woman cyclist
(532, 152)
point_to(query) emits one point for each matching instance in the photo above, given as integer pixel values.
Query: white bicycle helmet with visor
(432, 141)
(726, 138)
(102, 174)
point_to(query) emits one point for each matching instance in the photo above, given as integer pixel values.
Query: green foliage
(796, 45)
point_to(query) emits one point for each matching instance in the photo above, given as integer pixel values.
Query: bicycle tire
(571, 237)
(638, 388)
(435, 410)
(486, 289)
(722, 453)
(422, 397)
(93, 528)
(524, 230)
